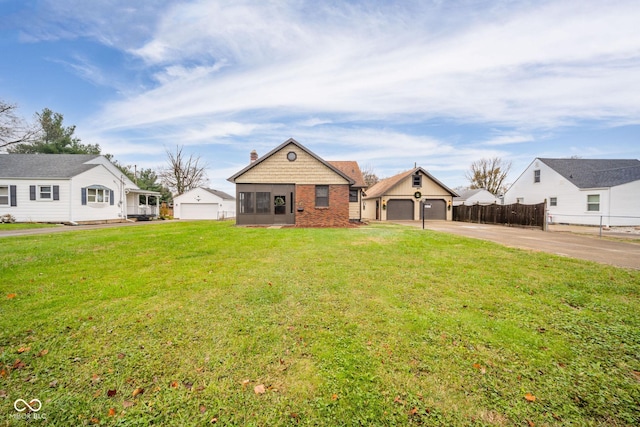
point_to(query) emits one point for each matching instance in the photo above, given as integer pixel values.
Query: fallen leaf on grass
(112, 393)
(413, 411)
(18, 364)
(11, 296)
(3, 394)
(112, 412)
(175, 384)
(53, 384)
(398, 400)
(530, 397)
(3, 373)
(213, 420)
(94, 420)
(259, 389)
(97, 393)
(203, 409)
(245, 383)
(120, 355)
(334, 396)
(137, 391)
(531, 423)
(42, 353)
(23, 349)
(127, 404)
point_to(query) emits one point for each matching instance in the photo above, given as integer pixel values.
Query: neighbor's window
(417, 180)
(97, 195)
(353, 195)
(263, 202)
(553, 201)
(45, 192)
(245, 200)
(593, 202)
(536, 175)
(322, 196)
(4, 194)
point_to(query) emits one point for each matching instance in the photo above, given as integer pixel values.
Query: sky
(391, 84)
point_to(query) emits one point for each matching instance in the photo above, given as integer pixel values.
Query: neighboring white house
(204, 203)
(582, 191)
(474, 197)
(70, 188)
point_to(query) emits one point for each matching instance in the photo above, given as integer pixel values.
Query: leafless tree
(183, 173)
(14, 130)
(370, 178)
(489, 174)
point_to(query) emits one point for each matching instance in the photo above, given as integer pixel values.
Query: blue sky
(389, 84)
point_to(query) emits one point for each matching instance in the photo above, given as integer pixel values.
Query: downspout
(71, 221)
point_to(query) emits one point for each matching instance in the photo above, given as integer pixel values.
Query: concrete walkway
(588, 246)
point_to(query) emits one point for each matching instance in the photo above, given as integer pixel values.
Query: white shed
(204, 203)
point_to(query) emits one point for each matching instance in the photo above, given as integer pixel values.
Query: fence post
(600, 226)
(545, 227)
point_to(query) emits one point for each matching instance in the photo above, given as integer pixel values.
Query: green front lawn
(203, 322)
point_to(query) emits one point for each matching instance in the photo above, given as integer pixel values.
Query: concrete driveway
(589, 247)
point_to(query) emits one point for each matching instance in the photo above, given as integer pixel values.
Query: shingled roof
(221, 194)
(44, 165)
(595, 173)
(351, 169)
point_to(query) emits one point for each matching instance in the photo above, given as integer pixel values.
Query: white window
(536, 175)
(97, 195)
(593, 202)
(553, 201)
(45, 192)
(4, 195)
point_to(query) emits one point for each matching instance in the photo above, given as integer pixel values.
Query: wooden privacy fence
(512, 215)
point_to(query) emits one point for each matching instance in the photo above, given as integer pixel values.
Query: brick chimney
(253, 156)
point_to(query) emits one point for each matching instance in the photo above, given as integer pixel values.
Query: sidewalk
(582, 244)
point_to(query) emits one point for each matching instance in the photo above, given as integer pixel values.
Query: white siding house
(204, 203)
(69, 188)
(475, 196)
(582, 191)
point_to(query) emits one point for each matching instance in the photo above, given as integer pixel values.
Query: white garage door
(199, 211)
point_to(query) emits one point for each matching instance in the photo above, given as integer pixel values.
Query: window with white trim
(593, 203)
(553, 201)
(4, 195)
(536, 175)
(97, 195)
(45, 192)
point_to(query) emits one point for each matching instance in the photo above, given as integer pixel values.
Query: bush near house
(376, 325)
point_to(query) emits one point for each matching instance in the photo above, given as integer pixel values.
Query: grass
(188, 323)
(24, 226)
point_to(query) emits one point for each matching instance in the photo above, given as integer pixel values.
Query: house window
(353, 195)
(593, 202)
(97, 195)
(322, 196)
(536, 175)
(4, 194)
(263, 200)
(44, 192)
(245, 201)
(553, 201)
(417, 180)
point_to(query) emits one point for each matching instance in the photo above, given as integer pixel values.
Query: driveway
(589, 247)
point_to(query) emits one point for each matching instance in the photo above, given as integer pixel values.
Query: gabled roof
(596, 173)
(350, 168)
(385, 185)
(45, 165)
(221, 194)
(468, 193)
(280, 147)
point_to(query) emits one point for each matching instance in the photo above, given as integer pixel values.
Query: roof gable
(594, 173)
(260, 161)
(387, 184)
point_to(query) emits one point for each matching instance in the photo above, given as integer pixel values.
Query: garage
(199, 211)
(400, 209)
(436, 209)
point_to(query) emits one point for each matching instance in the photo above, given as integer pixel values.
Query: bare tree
(370, 178)
(489, 174)
(14, 130)
(183, 173)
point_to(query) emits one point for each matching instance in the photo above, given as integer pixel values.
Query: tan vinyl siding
(278, 170)
(428, 188)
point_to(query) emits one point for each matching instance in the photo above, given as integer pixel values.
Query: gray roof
(221, 194)
(596, 173)
(44, 165)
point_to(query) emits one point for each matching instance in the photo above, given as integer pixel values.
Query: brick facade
(336, 215)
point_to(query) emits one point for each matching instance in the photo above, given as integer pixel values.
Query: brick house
(293, 186)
